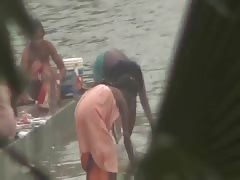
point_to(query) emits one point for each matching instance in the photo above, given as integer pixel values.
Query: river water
(145, 30)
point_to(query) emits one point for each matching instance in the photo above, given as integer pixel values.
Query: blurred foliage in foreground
(198, 132)
(14, 11)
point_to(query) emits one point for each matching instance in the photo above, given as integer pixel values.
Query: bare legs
(49, 77)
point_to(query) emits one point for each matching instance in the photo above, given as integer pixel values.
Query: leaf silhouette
(198, 132)
(14, 11)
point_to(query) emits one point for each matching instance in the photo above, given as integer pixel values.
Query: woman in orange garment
(96, 113)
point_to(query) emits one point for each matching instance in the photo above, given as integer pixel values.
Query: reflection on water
(145, 30)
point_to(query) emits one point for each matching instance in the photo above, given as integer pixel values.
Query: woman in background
(35, 62)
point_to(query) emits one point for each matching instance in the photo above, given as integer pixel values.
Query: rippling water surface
(144, 29)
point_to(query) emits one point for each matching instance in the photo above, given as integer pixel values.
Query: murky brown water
(145, 30)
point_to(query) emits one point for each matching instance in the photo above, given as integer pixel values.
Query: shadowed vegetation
(14, 11)
(198, 131)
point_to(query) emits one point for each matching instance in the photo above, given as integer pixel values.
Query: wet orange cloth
(93, 171)
(95, 115)
(38, 69)
(42, 99)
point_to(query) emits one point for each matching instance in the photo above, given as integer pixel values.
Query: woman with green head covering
(112, 64)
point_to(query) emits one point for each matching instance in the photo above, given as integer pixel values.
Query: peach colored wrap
(95, 115)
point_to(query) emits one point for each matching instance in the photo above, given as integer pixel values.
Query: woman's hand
(131, 170)
(59, 76)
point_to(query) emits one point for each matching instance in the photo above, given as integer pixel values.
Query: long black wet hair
(127, 84)
(126, 74)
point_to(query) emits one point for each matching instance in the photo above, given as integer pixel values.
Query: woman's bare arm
(57, 60)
